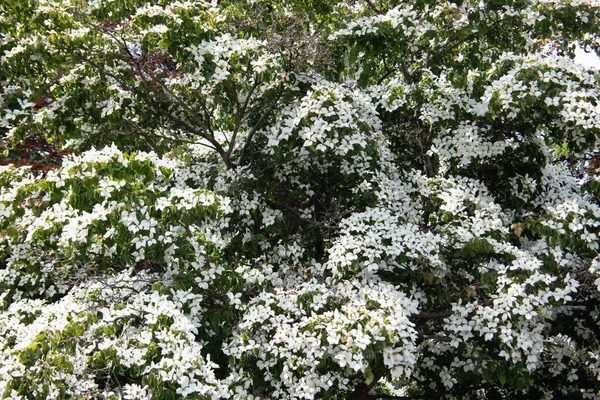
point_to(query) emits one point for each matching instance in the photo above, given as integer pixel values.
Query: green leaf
(369, 376)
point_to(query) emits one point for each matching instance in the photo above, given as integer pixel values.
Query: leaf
(501, 378)
(369, 376)
(517, 228)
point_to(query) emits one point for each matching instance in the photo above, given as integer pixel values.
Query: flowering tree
(303, 199)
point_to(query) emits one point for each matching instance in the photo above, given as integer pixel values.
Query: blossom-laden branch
(298, 200)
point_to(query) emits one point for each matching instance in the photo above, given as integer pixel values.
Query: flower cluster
(103, 332)
(297, 200)
(103, 209)
(318, 339)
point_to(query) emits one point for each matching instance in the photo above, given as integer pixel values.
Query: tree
(300, 199)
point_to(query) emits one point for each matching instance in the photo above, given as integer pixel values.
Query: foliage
(301, 199)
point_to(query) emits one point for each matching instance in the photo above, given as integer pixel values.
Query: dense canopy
(299, 199)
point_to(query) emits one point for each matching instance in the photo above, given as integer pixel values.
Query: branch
(433, 314)
(372, 6)
(408, 77)
(173, 139)
(439, 338)
(444, 52)
(387, 73)
(191, 236)
(148, 97)
(241, 114)
(376, 378)
(258, 123)
(452, 165)
(430, 395)
(200, 131)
